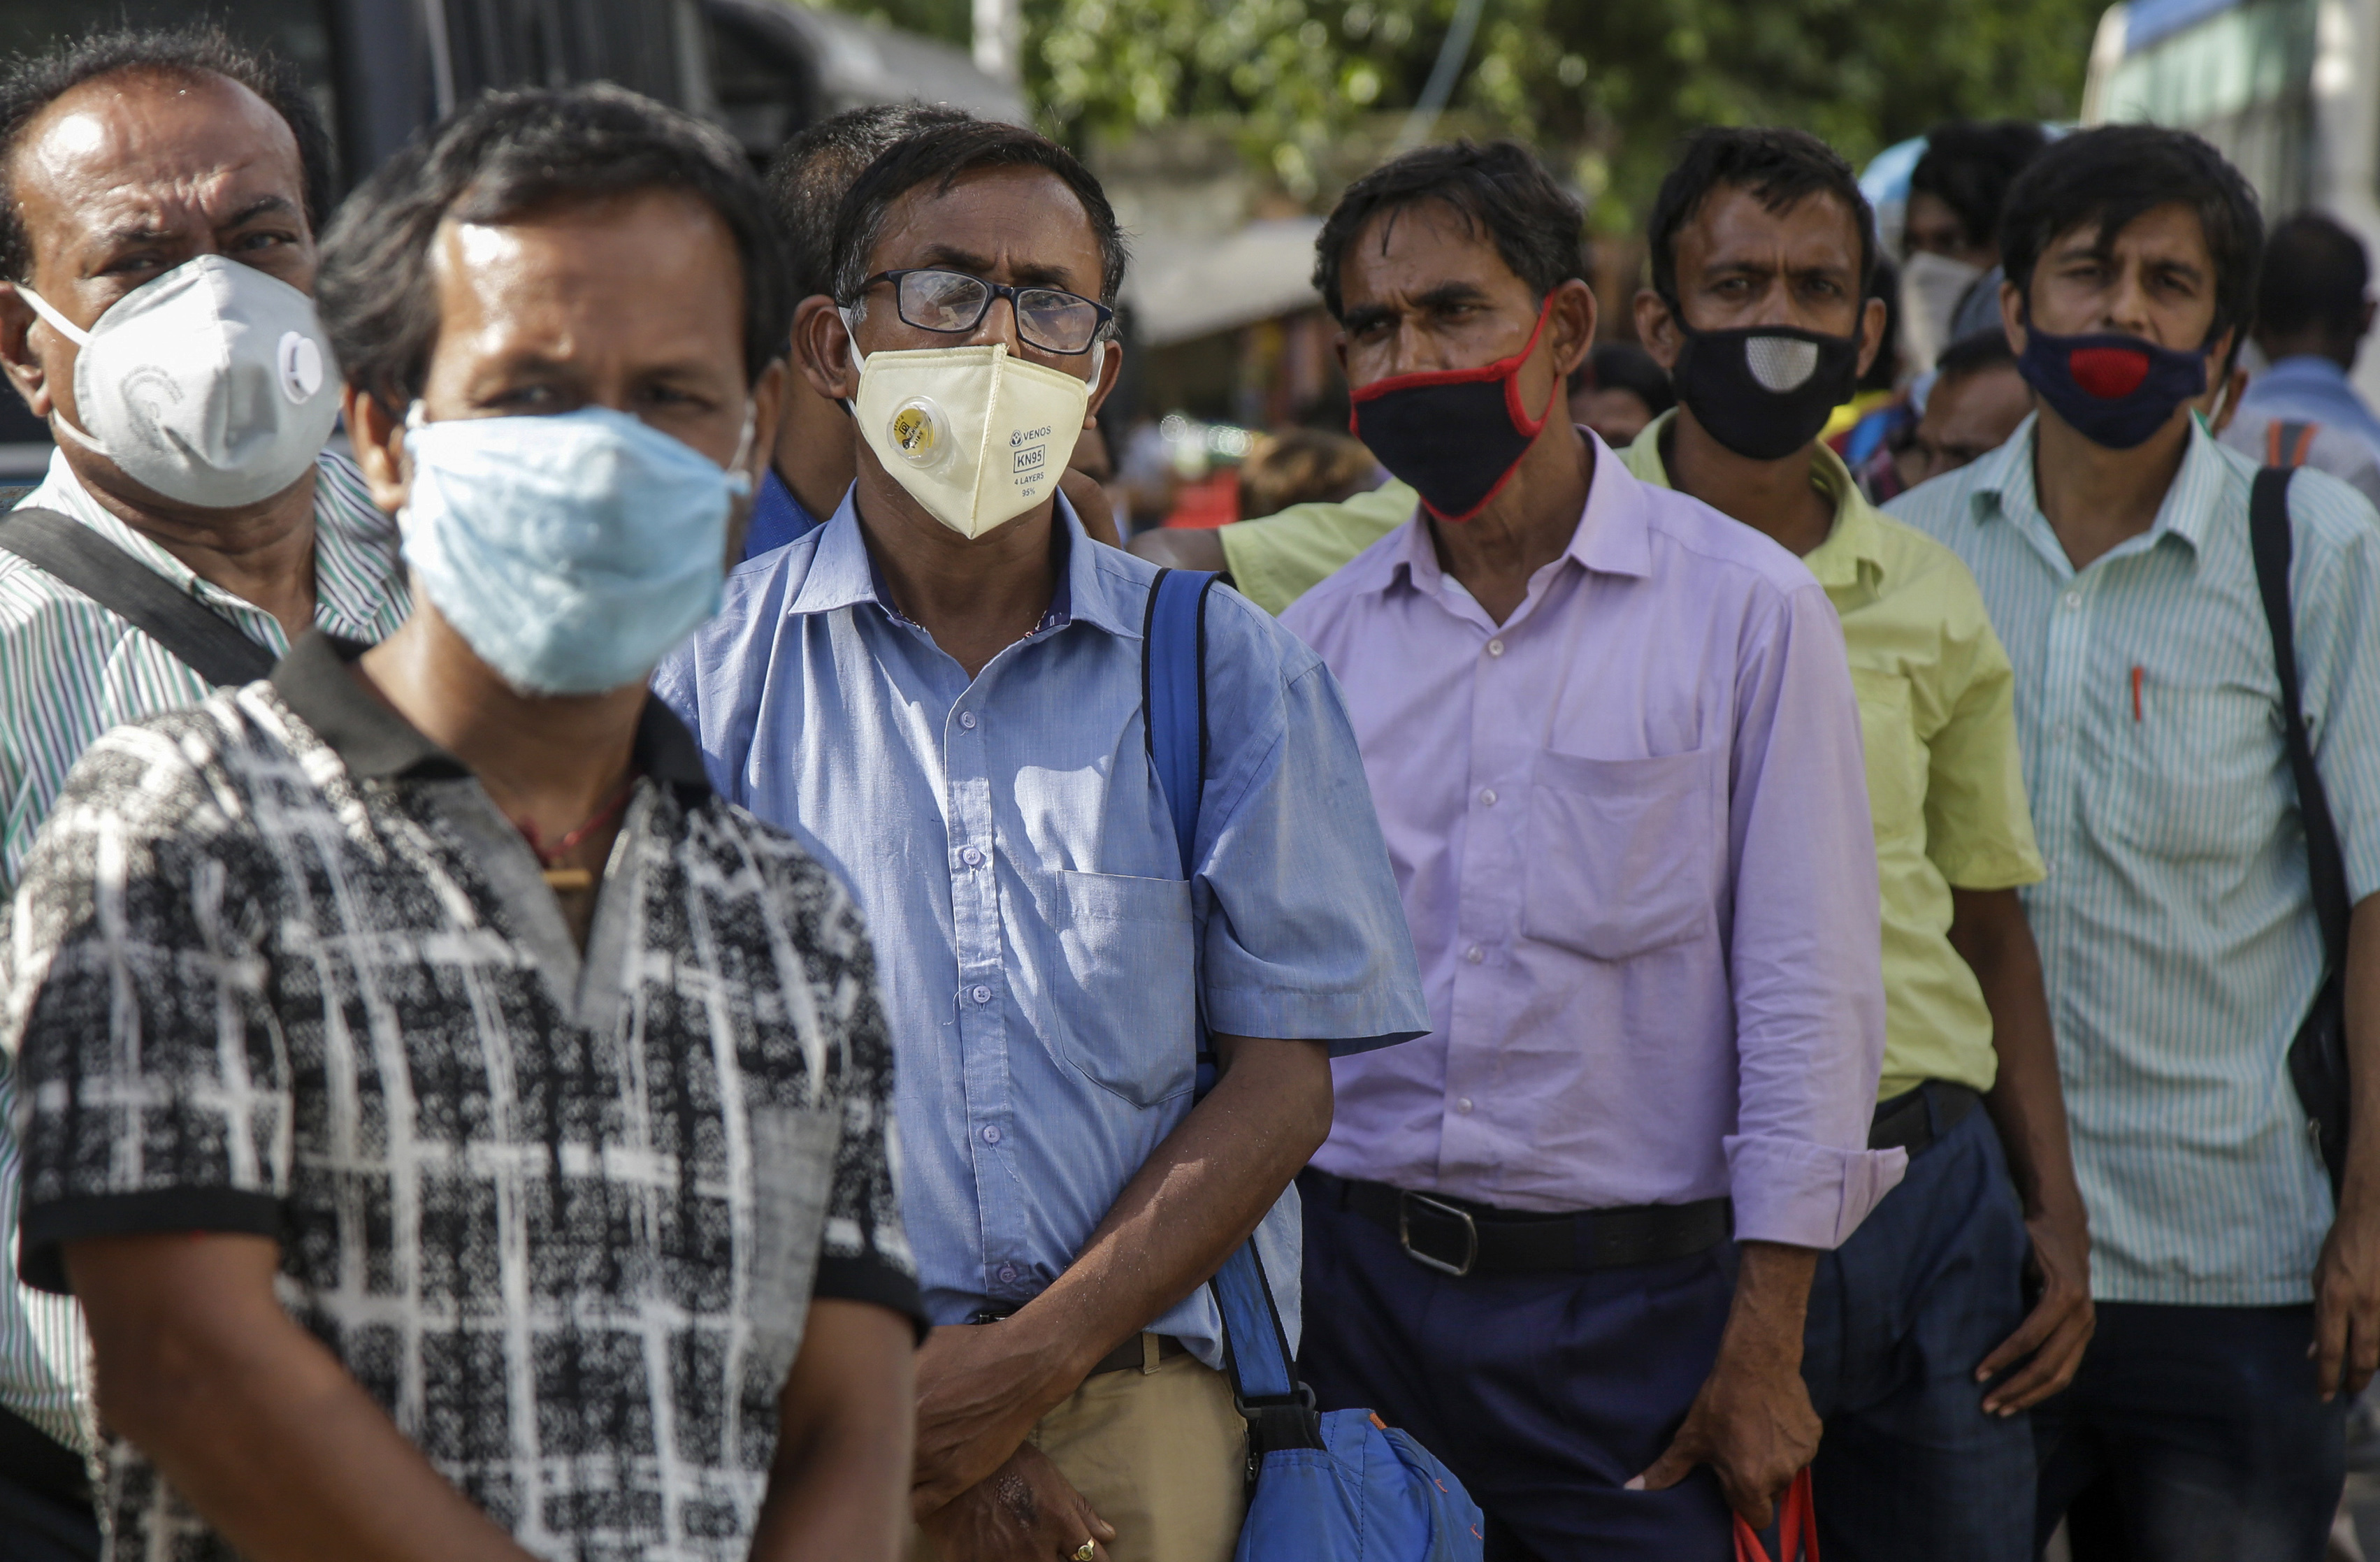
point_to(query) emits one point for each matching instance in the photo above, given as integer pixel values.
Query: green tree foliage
(1602, 87)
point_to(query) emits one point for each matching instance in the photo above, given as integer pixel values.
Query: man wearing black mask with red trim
(1612, 740)
(1922, 1350)
(2181, 935)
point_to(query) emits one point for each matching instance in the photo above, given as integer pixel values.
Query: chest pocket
(2196, 778)
(1120, 998)
(1896, 760)
(1624, 854)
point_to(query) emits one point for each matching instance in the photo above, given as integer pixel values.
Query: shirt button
(973, 858)
(1007, 1274)
(1488, 796)
(980, 994)
(1475, 954)
(1463, 1105)
(991, 1134)
(966, 719)
(1495, 648)
(2073, 600)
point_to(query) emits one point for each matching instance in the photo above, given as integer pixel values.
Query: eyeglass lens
(953, 301)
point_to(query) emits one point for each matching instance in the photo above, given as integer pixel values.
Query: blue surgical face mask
(574, 551)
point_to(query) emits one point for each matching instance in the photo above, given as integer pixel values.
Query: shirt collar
(842, 574)
(2004, 486)
(1851, 557)
(2307, 369)
(1613, 535)
(376, 744)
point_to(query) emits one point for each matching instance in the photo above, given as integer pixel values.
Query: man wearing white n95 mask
(468, 1133)
(943, 685)
(159, 199)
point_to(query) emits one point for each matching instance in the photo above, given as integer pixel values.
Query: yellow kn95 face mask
(977, 435)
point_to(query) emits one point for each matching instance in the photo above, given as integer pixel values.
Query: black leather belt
(1458, 1237)
(1128, 1354)
(1915, 1120)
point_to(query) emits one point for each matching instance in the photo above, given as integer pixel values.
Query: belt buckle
(1406, 1199)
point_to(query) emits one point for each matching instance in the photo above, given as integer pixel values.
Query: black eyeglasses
(956, 303)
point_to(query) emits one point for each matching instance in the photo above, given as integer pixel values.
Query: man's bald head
(40, 87)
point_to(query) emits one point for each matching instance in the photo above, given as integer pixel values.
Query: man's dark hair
(32, 82)
(2315, 277)
(506, 156)
(2105, 177)
(1969, 166)
(939, 157)
(1624, 366)
(807, 180)
(1973, 353)
(1780, 167)
(1499, 189)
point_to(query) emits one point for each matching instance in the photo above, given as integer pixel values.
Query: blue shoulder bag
(1341, 1487)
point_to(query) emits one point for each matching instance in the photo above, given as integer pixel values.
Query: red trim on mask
(1506, 369)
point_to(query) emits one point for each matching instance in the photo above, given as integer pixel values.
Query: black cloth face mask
(1763, 391)
(2112, 389)
(1454, 435)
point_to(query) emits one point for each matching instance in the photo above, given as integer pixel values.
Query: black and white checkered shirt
(278, 965)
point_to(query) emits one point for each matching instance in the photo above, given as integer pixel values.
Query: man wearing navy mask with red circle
(2180, 941)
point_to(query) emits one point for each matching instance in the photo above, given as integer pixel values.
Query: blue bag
(1341, 1487)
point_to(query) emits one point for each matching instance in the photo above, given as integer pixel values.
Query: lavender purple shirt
(1629, 825)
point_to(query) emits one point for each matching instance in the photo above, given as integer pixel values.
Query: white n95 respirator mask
(212, 385)
(977, 435)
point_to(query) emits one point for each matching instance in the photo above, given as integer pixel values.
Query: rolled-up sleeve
(1806, 952)
(1303, 936)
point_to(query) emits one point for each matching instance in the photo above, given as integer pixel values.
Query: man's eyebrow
(257, 208)
(1364, 317)
(1447, 293)
(1028, 274)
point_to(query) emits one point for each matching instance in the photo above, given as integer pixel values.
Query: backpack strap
(75, 555)
(1173, 698)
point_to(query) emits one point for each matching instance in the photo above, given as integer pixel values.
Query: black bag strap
(2269, 538)
(75, 555)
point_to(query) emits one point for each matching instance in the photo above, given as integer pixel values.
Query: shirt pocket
(2194, 779)
(792, 1152)
(1896, 760)
(1624, 854)
(1122, 1005)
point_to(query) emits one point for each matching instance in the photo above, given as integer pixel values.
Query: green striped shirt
(70, 670)
(2177, 934)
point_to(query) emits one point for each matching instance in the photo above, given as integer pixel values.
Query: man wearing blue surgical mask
(159, 198)
(943, 686)
(2183, 932)
(468, 1135)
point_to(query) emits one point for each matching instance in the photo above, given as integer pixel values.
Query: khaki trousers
(1159, 1452)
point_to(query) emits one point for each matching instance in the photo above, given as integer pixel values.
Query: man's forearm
(251, 1418)
(1198, 1198)
(2362, 1193)
(1772, 1300)
(839, 1485)
(2027, 1104)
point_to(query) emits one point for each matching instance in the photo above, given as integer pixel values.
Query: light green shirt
(1945, 782)
(70, 670)
(1277, 559)
(2177, 937)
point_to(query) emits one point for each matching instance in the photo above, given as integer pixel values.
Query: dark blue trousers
(1901, 1314)
(2193, 1434)
(1543, 1393)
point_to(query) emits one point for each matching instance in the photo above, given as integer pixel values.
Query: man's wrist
(1055, 1350)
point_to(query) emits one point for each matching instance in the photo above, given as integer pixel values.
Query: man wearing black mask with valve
(2182, 936)
(1918, 1324)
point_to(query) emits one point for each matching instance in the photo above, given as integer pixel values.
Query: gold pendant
(569, 880)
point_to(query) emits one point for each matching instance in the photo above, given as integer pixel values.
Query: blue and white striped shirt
(2177, 934)
(70, 670)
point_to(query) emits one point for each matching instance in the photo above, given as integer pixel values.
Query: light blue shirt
(1041, 961)
(2177, 938)
(2310, 389)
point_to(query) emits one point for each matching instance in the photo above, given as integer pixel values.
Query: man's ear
(2012, 316)
(1571, 323)
(25, 370)
(1871, 322)
(822, 348)
(1656, 328)
(768, 420)
(378, 437)
(1111, 370)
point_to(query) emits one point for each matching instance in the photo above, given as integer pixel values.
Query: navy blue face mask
(2114, 389)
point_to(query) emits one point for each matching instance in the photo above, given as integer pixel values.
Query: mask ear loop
(739, 481)
(81, 338)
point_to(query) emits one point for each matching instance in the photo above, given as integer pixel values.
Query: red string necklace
(549, 857)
